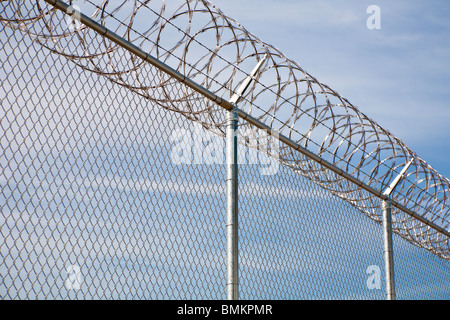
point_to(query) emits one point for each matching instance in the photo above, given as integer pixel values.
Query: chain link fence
(88, 188)
(110, 194)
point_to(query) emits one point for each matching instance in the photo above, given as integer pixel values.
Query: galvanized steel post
(232, 122)
(388, 249)
(232, 205)
(386, 205)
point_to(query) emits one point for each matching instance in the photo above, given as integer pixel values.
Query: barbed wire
(214, 50)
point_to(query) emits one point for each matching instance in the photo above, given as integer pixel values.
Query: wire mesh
(88, 187)
(109, 190)
(214, 50)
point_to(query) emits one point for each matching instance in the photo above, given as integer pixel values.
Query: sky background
(86, 178)
(398, 75)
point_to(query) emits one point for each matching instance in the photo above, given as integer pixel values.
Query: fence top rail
(337, 136)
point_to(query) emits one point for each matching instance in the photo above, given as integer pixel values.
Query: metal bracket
(397, 179)
(240, 92)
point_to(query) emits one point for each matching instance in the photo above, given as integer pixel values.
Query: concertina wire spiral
(201, 42)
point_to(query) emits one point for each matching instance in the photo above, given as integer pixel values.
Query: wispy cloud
(398, 75)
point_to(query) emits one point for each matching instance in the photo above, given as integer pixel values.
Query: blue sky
(399, 75)
(92, 184)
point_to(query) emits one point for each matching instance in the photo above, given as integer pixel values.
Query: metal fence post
(232, 206)
(386, 205)
(388, 249)
(232, 122)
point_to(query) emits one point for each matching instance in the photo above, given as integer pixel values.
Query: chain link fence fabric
(111, 193)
